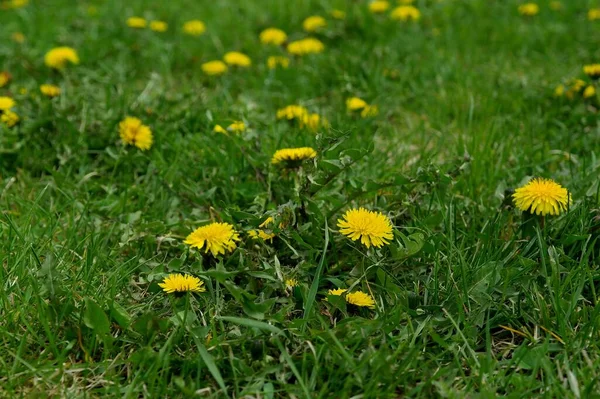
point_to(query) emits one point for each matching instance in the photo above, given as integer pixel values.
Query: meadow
(299, 199)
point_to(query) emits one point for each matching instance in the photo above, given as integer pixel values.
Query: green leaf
(95, 318)
(252, 323)
(120, 315)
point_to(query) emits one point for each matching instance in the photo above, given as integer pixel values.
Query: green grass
(89, 227)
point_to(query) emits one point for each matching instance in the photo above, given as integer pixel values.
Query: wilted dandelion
(293, 157)
(559, 91)
(136, 22)
(216, 67)
(373, 228)
(555, 5)
(276, 60)
(359, 298)
(262, 234)
(179, 283)
(58, 57)
(405, 13)
(379, 6)
(314, 23)
(576, 86)
(309, 45)
(8, 4)
(273, 36)
(312, 121)
(194, 27)
(235, 58)
(542, 197)
(159, 26)
(592, 70)
(529, 9)
(218, 238)
(133, 132)
(50, 90)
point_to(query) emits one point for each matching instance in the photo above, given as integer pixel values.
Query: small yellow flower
(314, 23)
(237, 127)
(369, 111)
(4, 78)
(594, 14)
(219, 129)
(529, 9)
(273, 36)
(293, 157)
(133, 132)
(235, 58)
(309, 45)
(292, 112)
(194, 27)
(559, 91)
(159, 26)
(6, 103)
(181, 283)
(373, 228)
(542, 197)
(405, 13)
(18, 37)
(50, 90)
(216, 67)
(589, 92)
(217, 237)
(276, 60)
(379, 6)
(592, 70)
(136, 22)
(58, 57)
(359, 298)
(291, 283)
(262, 234)
(9, 118)
(311, 121)
(355, 103)
(337, 291)
(337, 14)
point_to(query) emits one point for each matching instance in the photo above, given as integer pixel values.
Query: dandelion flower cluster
(50, 90)
(133, 132)
(592, 70)
(213, 68)
(542, 197)
(337, 291)
(314, 23)
(529, 9)
(218, 238)
(275, 61)
(58, 57)
(179, 283)
(273, 36)
(235, 58)
(405, 13)
(379, 6)
(306, 46)
(137, 22)
(356, 298)
(373, 228)
(292, 112)
(194, 27)
(293, 156)
(304, 118)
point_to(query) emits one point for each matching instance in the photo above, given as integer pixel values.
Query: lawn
(156, 241)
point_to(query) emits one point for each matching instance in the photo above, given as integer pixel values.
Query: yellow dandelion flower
(50, 90)
(213, 68)
(309, 45)
(594, 14)
(276, 60)
(373, 228)
(159, 26)
(559, 91)
(406, 13)
(555, 5)
(219, 129)
(9, 118)
(337, 291)
(235, 58)
(529, 9)
(542, 197)
(177, 283)
(291, 283)
(369, 111)
(273, 36)
(263, 235)
(293, 156)
(592, 70)
(237, 127)
(18, 37)
(292, 112)
(337, 14)
(133, 132)
(217, 237)
(359, 298)
(136, 22)
(194, 27)
(6, 103)
(314, 23)
(310, 121)
(58, 57)
(4, 78)
(355, 103)
(379, 6)
(589, 92)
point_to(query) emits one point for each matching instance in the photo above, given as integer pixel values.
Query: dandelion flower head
(276, 60)
(50, 90)
(58, 57)
(542, 197)
(405, 13)
(18, 37)
(136, 22)
(218, 238)
(309, 45)
(359, 298)
(529, 9)
(594, 14)
(314, 23)
(379, 6)
(592, 70)
(355, 103)
(216, 67)
(9, 118)
(133, 132)
(178, 283)
(6, 103)
(235, 58)
(194, 27)
(159, 26)
(273, 36)
(373, 228)
(293, 156)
